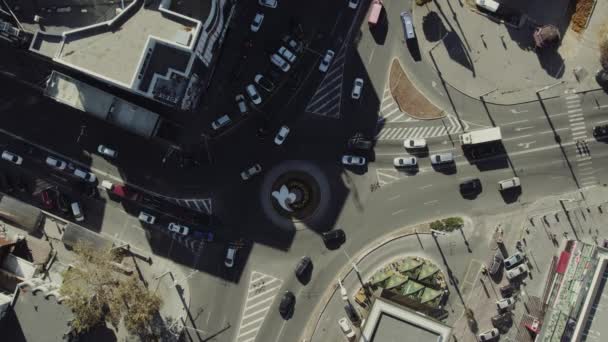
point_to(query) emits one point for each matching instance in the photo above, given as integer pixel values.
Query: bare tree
(96, 292)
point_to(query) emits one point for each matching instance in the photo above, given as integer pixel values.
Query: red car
(125, 192)
(47, 201)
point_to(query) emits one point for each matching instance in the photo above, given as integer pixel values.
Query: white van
(508, 183)
(77, 212)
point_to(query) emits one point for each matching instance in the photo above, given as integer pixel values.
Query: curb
(330, 292)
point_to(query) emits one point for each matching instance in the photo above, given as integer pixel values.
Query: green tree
(96, 292)
(437, 225)
(452, 223)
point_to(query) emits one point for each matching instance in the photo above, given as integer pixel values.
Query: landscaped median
(407, 96)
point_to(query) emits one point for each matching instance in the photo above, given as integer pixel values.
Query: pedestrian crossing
(261, 292)
(327, 99)
(584, 162)
(422, 129)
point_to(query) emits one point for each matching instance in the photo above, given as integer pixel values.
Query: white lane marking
(577, 124)
(519, 137)
(578, 128)
(575, 110)
(398, 211)
(575, 105)
(526, 144)
(515, 122)
(431, 202)
(394, 198)
(583, 159)
(515, 111)
(572, 97)
(518, 129)
(585, 163)
(426, 186)
(577, 119)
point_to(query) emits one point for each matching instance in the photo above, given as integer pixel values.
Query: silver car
(106, 151)
(253, 94)
(288, 55)
(56, 163)
(252, 171)
(87, 176)
(442, 158)
(353, 160)
(257, 22)
(326, 61)
(178, 228)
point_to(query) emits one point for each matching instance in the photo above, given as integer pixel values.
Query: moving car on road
(470, 187)
(302, 267)
(253, 94)
(488, 335)
(357, 88)
(106, 151)
(287, 303)
(405, 162)
(222, 121)
(279, 139)
(252, 171)
(84, 175)
(56, 163)
(514, 260)
(268, 3)
(353, 160)
(178, 228)
(257, 22)
(11, 157)
(333, 236)
(230, 254)
(346, 328)
(442, 158)
(412, 144)
(326, 61)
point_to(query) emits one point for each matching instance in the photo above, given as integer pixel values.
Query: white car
(56, 163)
(87, 176)
(280, 62)
(11, 157)
(268, 3)
(405, 162)
(106, 151)
(514, 260)
(414, 143)
(505, 303)
(240, 102)
(288, 55)
(353, 4)
(279, 139)
(147, 218)
(509, 183)
(516, 272)
(253, 94)
(178, 228)
(329, 56)
(257, 22)
(353, 160)
(357, 88)
(346, 328)
(252, 171)
(230, 254)
(221, 122)
(442, 158)
(488, 335)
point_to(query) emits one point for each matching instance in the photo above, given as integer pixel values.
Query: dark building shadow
(552, 62)
(433, 28)
(511, 195)
(380, 30)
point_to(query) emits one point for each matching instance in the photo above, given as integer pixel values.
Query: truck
(480, 136)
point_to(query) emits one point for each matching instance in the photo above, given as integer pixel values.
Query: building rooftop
(388, 321)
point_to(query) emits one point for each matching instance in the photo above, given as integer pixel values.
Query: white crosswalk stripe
(203, 205)
(262, 291)
(433, 129)
(327, 99)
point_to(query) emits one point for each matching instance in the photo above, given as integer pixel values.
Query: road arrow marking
(515, 111)
(526, 144)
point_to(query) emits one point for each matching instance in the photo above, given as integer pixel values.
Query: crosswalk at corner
(261, 292)
(389, 110)
(327, 99)
(422, 129)
(202, 205)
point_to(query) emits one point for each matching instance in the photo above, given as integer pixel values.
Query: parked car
(125, 191)
(287, 303)
(504, 304)
(106, 151)
(419, 143)
(506, 291)
(252, 171)
(335, 236)
(279, 62)
(302, 267)
(264, 83)
(293, 44)
(357, 88)
(509, 183)
(241, 104)
(488, 335)
(77, 211)
(146, 218)
(495, 263)
(353, 3)
(279, 139)
(408, 25)
(257, 22)
(56, 163)
(253, 94)
(178, 228)
(268, 3)
(222, 121)
(442, 158)
(287, 55)
(353, 160)
(600, 131)
(470, 187)
(11, 157)
(47, 201)
(408, 161)
(62, 202)
(347, 330)
(326, 61)
(516, 272)
(488, 5)
(514, 260)
(84, 175)
(230, 255)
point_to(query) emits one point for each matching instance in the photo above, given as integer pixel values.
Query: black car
(470, 187)
(506, 291)
(352, 314)
(287, 304)
(600, 132)
(334, 237)
(302, 267)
